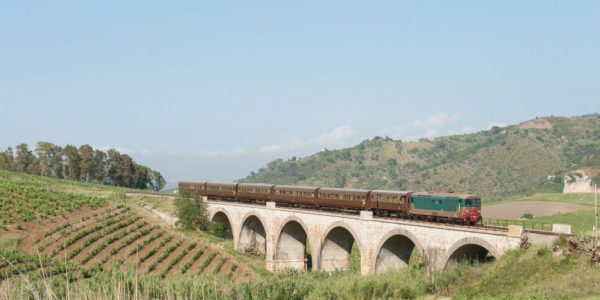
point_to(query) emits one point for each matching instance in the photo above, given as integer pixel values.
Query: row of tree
(84, 163)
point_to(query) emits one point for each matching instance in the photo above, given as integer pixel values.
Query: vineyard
(117, 236)
(25, 198)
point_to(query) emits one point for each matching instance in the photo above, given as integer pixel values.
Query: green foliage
(27, 198)
(533, 274)
(191, 211)
(527, 216)
(221, 230)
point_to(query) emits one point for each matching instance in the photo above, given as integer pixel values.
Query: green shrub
(191, 211)
(219, 229)
(528, 216)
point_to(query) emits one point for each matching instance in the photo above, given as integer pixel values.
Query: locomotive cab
(471, 211)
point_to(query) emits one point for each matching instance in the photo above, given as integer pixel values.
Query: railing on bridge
(527, 224)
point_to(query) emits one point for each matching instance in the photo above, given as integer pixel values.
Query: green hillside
(502, 162)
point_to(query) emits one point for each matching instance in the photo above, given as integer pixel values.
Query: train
(432, 206)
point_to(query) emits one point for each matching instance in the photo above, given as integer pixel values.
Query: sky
(214, 90)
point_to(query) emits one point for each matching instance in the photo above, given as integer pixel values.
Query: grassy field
(581, 222)
(577, 198)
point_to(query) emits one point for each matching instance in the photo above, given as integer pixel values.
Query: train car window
(468, 202)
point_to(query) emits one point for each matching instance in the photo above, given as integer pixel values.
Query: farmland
(26, 198)
(61, 230)
(117, 235)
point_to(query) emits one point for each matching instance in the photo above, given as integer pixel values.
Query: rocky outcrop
(578, 182)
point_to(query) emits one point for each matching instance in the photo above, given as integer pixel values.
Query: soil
(161, 266)
(194, 269)
(123, 253)
(177, 267)
(536, 124)
(106, 251)
(514, 210)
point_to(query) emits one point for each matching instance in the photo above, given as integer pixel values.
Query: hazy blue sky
(215, 90)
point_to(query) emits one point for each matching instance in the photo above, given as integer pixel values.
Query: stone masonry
(282, 234)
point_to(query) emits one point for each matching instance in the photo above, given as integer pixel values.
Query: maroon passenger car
(217, 190)
(394, 201)
(343, 198)
(301, 195)
(254, 191)
(192, 187)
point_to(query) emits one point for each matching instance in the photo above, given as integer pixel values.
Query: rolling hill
(502, 162)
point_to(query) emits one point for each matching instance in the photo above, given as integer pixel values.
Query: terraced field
(118, 236)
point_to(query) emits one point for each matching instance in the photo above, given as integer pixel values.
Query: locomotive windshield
(473, 202)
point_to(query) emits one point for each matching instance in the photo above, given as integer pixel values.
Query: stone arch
(336, 247)
(291, 244)
(471, 249)
(220, 216)
(395, 250)
(253, 236)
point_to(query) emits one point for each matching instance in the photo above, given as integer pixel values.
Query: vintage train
(463, 208)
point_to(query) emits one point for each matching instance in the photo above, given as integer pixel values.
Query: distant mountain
(498, 163)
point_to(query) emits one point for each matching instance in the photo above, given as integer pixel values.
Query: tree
(56, 162)
(83, 163)
(127, 171)
(142, 178)
(4, 162)
(43, 152)
(73, 162)
(157, 181)
(24, 159)
(7, 160)
(100, 164)
(114, 166)
(86, 153)
(10, 157)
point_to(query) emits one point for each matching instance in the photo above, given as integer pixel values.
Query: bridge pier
(300, 238)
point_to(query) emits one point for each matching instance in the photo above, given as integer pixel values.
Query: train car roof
(256, 184)
(192, 182)
(390, 192)
(446, 194)
(221, 183)
(296, 187)
(339, 190)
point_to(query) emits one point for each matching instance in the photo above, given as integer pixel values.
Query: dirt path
(514, 210)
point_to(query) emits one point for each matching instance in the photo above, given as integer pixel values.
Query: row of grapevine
(84, 233)
(24, 199)
(177, 259)
(164, 255)
(110, 241)
(121, 236)
(102, 234)
(193, 260)
(68, 230)
(153, 251)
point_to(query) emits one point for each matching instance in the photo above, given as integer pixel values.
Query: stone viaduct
(282, 235)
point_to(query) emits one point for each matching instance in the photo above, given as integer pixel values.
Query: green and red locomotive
(462, 208)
